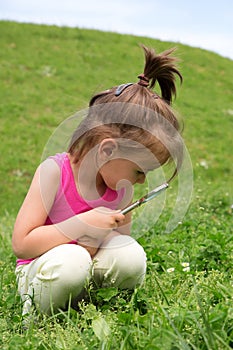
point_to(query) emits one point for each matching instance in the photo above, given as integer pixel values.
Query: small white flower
(229, 111)
(171, 269)
(204, 164)
(18, 172)
(186, 269)
(47, 71)
(185, 264)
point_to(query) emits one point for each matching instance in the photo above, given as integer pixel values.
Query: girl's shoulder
(59, 158)
(50, 169)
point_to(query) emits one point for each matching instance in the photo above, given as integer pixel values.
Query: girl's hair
(135, 111)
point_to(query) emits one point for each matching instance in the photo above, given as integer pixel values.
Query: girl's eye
(140, 172)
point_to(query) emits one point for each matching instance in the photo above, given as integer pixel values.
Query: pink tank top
(68, 201)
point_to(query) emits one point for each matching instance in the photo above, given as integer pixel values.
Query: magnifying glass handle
(146, 198)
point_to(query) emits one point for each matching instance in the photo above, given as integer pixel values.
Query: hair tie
(143, 80)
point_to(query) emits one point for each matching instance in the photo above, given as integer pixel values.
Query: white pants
(61, 274)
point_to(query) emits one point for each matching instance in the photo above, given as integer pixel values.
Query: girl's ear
(107, 149)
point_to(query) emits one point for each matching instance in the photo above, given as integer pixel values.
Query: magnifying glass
(154, 193)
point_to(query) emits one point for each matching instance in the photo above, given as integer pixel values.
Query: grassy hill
(48, 73)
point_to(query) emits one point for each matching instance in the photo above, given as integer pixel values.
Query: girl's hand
(99, 223)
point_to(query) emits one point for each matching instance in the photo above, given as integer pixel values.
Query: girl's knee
(128, 253)
(62, 273)
(65, 265)
(130, 264)
(122, 263)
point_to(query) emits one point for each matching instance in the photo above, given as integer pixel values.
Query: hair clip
(121, 88)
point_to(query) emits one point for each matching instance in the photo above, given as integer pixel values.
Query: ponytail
(162, 69)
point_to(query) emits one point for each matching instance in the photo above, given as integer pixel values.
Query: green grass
(47, 74)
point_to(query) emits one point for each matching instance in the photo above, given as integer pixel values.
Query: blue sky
(206, 24)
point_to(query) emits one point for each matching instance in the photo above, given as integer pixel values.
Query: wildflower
(171, 269)
(47, 71)
(229, 111)
(186, 267)
(185, 264)
(204, 164)
(18, 172)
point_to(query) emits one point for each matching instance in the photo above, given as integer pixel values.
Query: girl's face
(119, 169)
(131, 167)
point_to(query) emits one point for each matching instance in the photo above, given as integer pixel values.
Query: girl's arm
(32, 238)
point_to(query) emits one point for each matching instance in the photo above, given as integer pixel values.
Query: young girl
(70, 229)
